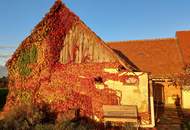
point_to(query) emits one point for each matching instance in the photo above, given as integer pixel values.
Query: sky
(112, 20)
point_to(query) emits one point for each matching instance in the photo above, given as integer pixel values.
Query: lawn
(3, 95)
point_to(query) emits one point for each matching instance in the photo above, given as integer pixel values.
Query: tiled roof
(158, 56)
(183, 38)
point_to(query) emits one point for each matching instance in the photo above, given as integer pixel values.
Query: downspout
(152, 124)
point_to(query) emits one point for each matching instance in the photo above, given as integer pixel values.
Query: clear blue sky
(112, 20)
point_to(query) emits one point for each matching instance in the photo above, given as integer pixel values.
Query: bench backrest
(120, 111)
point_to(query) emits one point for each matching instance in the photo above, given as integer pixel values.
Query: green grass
(3, 96)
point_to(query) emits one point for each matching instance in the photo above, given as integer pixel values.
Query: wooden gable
(81, 45)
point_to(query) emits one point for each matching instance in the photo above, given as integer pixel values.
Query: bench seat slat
(120, 114)
(130, 117)
(121, 119)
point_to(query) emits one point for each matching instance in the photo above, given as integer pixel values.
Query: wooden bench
(121, 113)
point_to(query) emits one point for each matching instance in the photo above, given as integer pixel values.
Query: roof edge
(179, 31)
(143, 40)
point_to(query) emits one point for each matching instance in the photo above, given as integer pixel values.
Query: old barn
(63, 64)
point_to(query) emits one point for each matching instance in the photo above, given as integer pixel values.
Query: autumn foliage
(37, 77)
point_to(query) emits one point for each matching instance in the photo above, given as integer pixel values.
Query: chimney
(183, 38)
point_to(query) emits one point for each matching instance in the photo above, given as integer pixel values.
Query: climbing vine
(27, 56)
(61, 86)
(24, 96)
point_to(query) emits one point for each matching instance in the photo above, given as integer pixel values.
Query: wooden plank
(121, 107)
(120, 113)
(112, 119)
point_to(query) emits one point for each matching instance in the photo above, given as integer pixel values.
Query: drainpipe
(152, 124)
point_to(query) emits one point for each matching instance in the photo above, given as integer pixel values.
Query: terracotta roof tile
(183, 38)
(158, 56)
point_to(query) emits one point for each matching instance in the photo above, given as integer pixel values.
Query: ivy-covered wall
(37, 75)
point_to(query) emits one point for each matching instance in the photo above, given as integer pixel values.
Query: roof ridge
(156, 39)
(186, 30)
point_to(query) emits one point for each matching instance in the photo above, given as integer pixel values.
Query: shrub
(83, 123)
(14, 120)
(44, 127)
(26, 117)
(21, 118)
(3, 96)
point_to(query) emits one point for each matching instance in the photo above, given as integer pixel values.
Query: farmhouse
(63, 64)
(164, 59)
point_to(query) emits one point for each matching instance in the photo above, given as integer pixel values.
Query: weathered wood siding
(81, 45)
